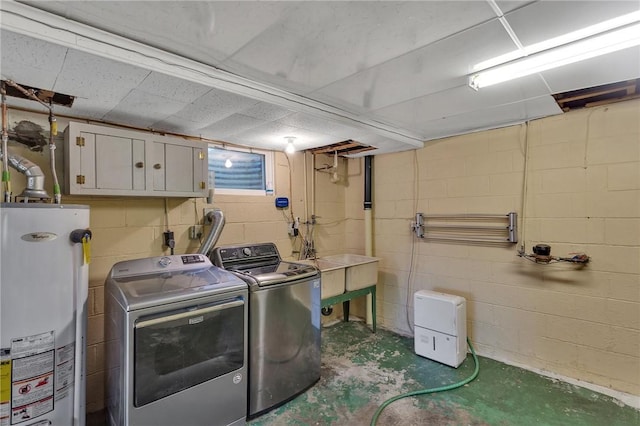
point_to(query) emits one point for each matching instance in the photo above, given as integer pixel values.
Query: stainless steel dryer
(176, 343)
(284, 322)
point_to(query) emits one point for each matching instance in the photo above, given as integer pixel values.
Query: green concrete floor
(360, 370)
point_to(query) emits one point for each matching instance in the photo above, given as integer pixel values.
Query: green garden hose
(384, 405)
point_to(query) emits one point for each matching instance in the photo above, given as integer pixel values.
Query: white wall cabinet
(102, 160)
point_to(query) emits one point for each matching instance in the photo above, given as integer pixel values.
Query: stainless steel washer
(176, 343)
(284, 323)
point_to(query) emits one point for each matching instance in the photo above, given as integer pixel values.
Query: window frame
(269, 172)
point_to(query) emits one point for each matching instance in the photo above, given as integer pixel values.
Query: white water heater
(43, 308)
(440, 327)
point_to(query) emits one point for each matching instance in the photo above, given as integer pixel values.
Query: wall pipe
(368, 222)
(6, 177)
(53, 130)
(35, 177)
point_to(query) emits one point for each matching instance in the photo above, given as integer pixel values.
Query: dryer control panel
(172, 263)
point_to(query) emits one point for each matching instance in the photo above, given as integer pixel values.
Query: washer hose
(384, 405)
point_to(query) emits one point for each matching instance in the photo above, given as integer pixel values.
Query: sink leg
(373, 308)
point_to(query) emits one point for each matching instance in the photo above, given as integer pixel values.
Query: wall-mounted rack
(471, 228)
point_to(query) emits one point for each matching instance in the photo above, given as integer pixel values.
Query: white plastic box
(440, 331)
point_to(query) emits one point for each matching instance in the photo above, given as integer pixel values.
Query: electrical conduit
(476, 370)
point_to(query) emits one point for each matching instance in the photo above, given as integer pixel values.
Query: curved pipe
(35, 177)
(53, 130)
(217, 223)
(6, 178)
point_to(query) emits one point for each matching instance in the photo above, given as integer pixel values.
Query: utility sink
(360, 271)
(332, 276)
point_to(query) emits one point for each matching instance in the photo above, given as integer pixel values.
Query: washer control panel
(250, 252)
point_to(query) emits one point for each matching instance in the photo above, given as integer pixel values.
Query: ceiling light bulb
(290, 149)
(228, 163)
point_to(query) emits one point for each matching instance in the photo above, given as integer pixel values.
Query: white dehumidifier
(440, 322)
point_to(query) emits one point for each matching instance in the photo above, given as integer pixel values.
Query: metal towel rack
(472, 228)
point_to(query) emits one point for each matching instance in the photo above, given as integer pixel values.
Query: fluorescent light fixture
(563, 55)
(551, 43)
(290, 149)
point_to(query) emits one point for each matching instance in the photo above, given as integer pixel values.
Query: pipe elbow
(34, 174)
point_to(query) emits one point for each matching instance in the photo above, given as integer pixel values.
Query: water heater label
(5, 387)
(39, 237)
(65, 364)
(32, 376)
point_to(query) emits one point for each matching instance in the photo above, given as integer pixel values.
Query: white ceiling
(388, 74)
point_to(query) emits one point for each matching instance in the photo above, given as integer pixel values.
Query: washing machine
(284, 322)
(176, 332)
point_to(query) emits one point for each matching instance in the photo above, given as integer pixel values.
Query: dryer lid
(141, 283)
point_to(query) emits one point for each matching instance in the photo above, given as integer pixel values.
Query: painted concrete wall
(582, 176)
(583, 194)
(128, 228)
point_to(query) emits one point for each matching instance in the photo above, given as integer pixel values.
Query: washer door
(178, 349)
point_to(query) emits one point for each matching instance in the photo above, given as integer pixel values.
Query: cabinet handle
(157, 166)
(139, 164)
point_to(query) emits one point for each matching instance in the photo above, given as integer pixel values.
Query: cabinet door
(178, 168)
(120, 162)
(101, 160)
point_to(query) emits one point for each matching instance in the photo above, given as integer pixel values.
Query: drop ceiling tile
(321, 42)
(142, 109)
(267, 112)
(172, 88)
(92, 108)
(610, 68)
(226, 36)
(30, 61)
(462, 99)
(543, 20)
(29, 104)
(510, 5)
(272, 136)
(489, 118)
(200, 30)
(320, 125)
(214, 106)
(233, 124)
(28, 76)
(176, 124)
(384, 146)
(92, 77)
(437, 67)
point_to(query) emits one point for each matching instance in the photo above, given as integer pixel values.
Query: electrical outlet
(195, 232)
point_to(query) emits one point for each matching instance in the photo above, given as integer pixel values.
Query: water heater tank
(43, 308)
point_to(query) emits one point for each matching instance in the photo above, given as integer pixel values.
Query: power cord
(384, 405)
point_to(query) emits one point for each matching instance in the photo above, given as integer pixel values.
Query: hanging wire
(416, 176)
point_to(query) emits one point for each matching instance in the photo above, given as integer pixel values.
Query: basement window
(238, 171)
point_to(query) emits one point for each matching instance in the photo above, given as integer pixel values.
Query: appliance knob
(246, 251)
(165, 261)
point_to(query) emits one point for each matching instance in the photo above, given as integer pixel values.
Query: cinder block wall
(582, 194)
(131, 227)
